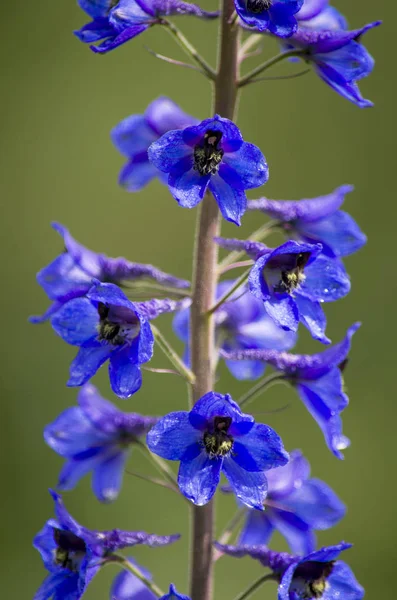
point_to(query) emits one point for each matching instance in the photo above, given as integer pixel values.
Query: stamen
(70, 550)
(292, 278)
(114, 333)
(219, 443)
(207, 157)
(258, 6)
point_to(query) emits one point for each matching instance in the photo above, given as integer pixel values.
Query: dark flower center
(207, 155)
(218, 442)
(113, 329)
(310, 579)
(258, 6)
(291, 278)
(70, 550)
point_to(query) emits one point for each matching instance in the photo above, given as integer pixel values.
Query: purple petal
(102, 414)
(165, 115)
(310, 9)
(242, 160)
(298, 534)
(253, 249)
(316, 504)
(249, 487)
(186, 184)
(283, 311)
(96, 8)
(177, 7)
(313, 318)
(326, 280)
(284, 480)
(127, 586)
(133, 135)
(86, 259)
(246, 369)
(198, 478)
(74, 470)
(339, 234)
(218, 405)
(72, 433)
(172, 436)
(120, 39)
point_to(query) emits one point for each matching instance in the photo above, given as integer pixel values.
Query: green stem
(189, 48)
(153, 287)
(263, 385)
(121, 560)
(256, 585)
(237, 284)
(173, 357)
(154, 480)
(258, 235)
(266, 65)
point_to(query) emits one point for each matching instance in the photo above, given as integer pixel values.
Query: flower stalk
(205, 276)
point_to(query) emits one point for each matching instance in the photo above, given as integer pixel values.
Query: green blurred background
(59, 102)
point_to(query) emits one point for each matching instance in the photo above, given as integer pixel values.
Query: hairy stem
(189, 49)
(203, 350)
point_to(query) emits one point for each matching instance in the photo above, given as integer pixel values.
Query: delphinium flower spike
(319, 574)
(240, 324)
(210, 155)
(71, 274)
(133, 136)
(73, 554)
(293, 281)
(216, 436)
(118, 21)
(318, 380)
(95, 436)
(296, 505)
(316, 220)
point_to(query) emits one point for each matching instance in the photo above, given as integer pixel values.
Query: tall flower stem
(203, 352)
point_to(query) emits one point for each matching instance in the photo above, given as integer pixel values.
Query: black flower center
(293, 277)
(258, 6)
(70, 550)
(112, 329)
(207, 155)
(310, 579)
(218, 442)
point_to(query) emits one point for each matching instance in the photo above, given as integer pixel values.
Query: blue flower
(117, 21)
(106, 325)
(337, 55)
(293, 281)
(318, 381)
(317, 220)
(127, 586)
(295, 506)
(133, 136)
(71, 274)
(240, 323)
(216, 436)
(95, 436)
(276, 16)
(317, 575)
(210, 155)
(73, 554)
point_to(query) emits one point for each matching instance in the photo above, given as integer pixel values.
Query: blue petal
(249, 487)
(164, 115)
(186, 184)
(325, 399)
(76, 321)
(133, 136)
(125, 376)
(108, 476)
(313, 318)
(246, 369)
(109, 294)
(339, 234)
(326, 280)
(97, 30)
(173, 593)
(260, 449)
(283, 311)
(213, 405)
(136, 174)
(316, 504)
(172, 436)
(285, 480)
(72, 433)
(228, 191)
(343, 584)
(298, 534)
(50, 585)
(63, 279)
(96, 8)
(74, 470)
(146, 341)
(257, 529)
(87, 363)
(180, 324)
(265, 334)
(198, 478)
(169, 150)
(127, 586)
(249, 164)
(101, 413)
(282, 20)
